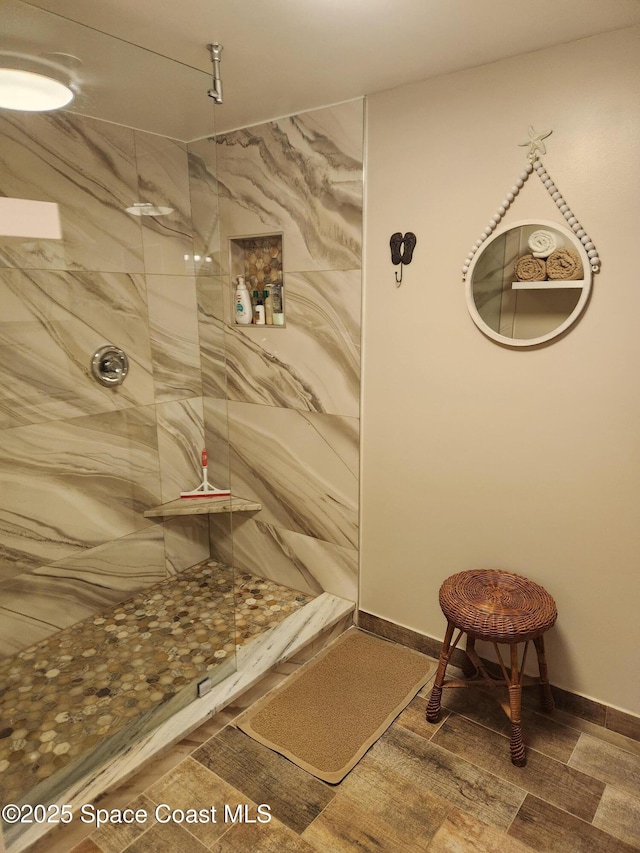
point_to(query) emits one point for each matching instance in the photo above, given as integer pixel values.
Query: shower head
(215, 51)
(146, 208)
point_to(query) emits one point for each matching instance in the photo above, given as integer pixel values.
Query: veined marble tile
(123, 565)
(186, 541)
(211, 296)
(87, 167)
(216, 432)
(342, 435)
(72, 485)
(20, 630)
(163, 179)
(292, 559)
(51, 323)
(175, 343)
(314, 362)
(205, 213)
(302, 176)
(284, 459)
(180, 444)
(58, 595)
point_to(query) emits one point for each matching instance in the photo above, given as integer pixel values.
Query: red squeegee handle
(205, 458)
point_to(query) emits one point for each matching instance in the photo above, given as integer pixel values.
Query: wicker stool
(501, 607)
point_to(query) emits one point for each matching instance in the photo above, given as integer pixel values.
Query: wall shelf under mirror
(546, 285)
(522, 300)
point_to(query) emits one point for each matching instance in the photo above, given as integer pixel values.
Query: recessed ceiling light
(33, 85)
(30, 92)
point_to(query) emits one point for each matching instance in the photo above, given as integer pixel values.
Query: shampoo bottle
(242, 303)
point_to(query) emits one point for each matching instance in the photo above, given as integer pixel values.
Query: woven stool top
(495, 605)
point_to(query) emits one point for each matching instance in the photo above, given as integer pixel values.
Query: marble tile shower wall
(79, 463)
(293, 392)
(277, 408)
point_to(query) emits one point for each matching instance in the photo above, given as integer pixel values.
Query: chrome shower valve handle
(109, 365)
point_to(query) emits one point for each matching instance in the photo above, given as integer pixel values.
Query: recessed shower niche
(258, 261)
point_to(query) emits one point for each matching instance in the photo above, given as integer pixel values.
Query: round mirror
(528, 283)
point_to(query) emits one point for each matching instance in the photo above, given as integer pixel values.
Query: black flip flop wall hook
(402, 250)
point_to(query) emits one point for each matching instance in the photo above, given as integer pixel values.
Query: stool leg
(515, 703)
(468, 667)
(546, 698)
(433, 706)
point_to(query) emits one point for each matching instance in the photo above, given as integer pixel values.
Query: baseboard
(587, 709)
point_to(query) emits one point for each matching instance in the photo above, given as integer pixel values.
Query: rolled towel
(542, 243)
(564, 265)
(529, 268)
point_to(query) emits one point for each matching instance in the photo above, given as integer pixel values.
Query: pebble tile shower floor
(63, 696)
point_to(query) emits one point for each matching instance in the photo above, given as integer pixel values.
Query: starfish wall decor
(534, 164)
(535, 142)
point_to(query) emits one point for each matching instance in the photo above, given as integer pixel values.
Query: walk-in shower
(108, 619)
(128, 616)
(113, 617)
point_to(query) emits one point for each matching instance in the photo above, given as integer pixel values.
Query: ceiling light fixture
(33, 85)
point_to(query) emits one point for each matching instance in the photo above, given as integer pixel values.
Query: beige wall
(476, 455)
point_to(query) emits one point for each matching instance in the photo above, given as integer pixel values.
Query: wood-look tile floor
(445, 788)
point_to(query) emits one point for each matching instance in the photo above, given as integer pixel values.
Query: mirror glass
(528, 283)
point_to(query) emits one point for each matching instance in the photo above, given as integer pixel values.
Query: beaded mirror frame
(572, 234)
(525, 313)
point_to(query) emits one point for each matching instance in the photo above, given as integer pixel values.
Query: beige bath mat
(327, 715)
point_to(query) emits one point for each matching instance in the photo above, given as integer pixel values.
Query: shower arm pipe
(215, 51)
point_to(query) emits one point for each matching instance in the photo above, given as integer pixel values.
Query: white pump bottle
(242, 308)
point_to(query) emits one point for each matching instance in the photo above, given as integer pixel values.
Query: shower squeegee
(205, 489)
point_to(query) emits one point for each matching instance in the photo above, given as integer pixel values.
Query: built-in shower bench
(202, 506)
